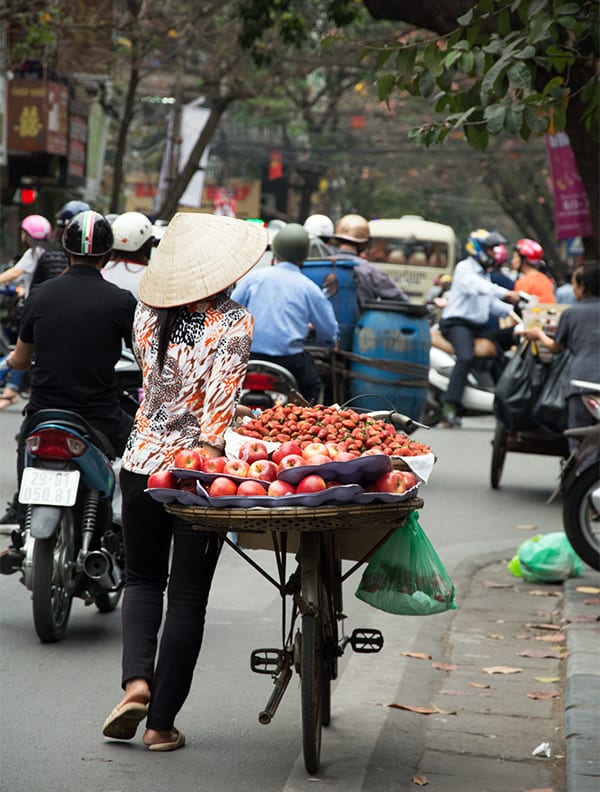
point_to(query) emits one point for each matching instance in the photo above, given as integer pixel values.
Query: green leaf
(426, 84)
(405, 62)
(477, 136)
(467, 62)
(466, 19)
(567, 9)
(451, 58)
(513, 119)
(519, 76)
(492, 77)
(494, 116)
(503, 24)
(537, 6)
(486, 6)
(383, 56)
(385, 86)
(551, 84)
(569, 22)
(432, 58)
(473, 33)
(527, 53)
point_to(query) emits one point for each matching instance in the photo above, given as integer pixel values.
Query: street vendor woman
(192, 343)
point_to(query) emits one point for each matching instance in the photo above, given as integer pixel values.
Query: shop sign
(37, 117)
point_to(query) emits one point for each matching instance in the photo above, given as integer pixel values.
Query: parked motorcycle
(580, 482)
(70, 546)
(268, 384)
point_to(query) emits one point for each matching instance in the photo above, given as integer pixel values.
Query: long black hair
(165, 322)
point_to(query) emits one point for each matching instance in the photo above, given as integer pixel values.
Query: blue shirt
(473, 296)
(565, 294)
(283, 303)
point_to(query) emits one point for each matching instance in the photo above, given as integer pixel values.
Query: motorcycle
(268, 384)
(478, 395)
(580, 482)
(71, 544)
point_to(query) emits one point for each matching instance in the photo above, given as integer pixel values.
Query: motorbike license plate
(49, 487)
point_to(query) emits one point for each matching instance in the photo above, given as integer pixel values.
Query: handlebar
(399, 420)
(8, 290)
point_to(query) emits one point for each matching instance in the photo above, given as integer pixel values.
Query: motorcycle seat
(484, 348)
(72, 420)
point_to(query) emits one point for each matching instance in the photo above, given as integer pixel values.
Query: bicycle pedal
(266, 661)
(366, 641)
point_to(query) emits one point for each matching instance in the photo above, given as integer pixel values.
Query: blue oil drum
(342, 293)
(390, 347)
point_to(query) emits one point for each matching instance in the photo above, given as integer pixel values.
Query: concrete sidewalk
(533, 722)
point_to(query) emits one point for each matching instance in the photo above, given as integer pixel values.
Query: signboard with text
(37, 117)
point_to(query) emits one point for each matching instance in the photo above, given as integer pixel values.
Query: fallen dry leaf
(502, 670)
(445, 712)
(445, 666)
(588, 589)
(538, 653)
(417, 655)
(420, 780)
(543, 626)
(495, 636)
(526, 527)
(593, 601)
(542, 695)
(413, 708)
(538, 789)
(542, 593)
(552, 638)
(582, 619)
(478, 685)
(493, 584)
(547, 679)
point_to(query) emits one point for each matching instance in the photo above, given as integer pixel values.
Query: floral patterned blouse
(194, 397)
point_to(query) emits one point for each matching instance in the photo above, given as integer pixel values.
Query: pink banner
(571, 207)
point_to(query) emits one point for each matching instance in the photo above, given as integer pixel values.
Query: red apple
(333, 449)
(162, 479)
(278, 488)
(345, 456)
(287, 447)
(187, 459)
(252, 450)
(187, 484)
(222, 486)
(311, 483)
(397, 481)
(250, 488)
(263, 469)
(318, 459)
(236, 467)
(373, 451)
(331, 484)
(291, 460)
(214, 464)
(312, 449)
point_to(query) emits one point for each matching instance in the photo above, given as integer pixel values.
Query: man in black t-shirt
(75, 325)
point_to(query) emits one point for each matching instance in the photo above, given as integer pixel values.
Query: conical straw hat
(198, 256)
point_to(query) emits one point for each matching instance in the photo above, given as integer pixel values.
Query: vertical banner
(571, 206)
(275, 165)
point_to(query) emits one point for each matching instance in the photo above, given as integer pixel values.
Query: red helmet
(530, 250)
(500, 254)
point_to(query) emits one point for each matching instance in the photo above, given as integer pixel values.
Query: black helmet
(69, 210)
(291, 243)
(88, 234)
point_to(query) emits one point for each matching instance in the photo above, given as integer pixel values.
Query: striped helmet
(88, 234)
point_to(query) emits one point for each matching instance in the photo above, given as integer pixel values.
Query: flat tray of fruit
(333, 517)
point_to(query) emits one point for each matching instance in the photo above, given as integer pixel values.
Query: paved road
(54, 698)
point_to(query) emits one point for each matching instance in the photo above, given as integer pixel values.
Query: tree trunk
(126, 119)
(586, 153)
(177, 188)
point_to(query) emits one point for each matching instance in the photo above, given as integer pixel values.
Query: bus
(413, 252)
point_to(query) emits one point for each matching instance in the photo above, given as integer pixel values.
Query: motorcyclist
(321, 226)
(133, 242)
(527, 261)
(471, 299)
(75, 325)
(352, 234)
(286, 305)
(54, 260)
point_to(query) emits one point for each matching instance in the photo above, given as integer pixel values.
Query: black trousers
(148, 532)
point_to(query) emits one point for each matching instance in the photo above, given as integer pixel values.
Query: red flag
(275, 165)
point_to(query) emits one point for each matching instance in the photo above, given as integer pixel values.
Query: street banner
(571, 206)
(193, 119)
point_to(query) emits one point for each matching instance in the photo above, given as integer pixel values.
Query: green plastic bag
(546, 558)
(405, 575)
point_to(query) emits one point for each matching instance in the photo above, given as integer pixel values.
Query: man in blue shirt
(286, 305)
(471, 300)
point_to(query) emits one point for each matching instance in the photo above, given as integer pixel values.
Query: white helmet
(273, 228)
(319, 225)
(131, 230)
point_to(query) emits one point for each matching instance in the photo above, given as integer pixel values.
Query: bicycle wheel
(311, 653)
